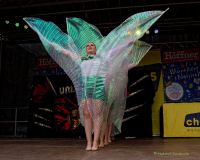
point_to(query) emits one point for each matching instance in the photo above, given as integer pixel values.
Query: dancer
(100, 82)
(92, 102)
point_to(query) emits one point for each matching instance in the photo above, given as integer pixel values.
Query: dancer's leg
(97, 121)
(103, 133)
(87, 124)
(109, 132)
(106, 135)
(107, 139)
(104, 126)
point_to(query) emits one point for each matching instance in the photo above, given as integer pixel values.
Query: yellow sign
(181, 119)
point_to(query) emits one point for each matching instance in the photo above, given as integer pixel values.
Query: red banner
(181, 55)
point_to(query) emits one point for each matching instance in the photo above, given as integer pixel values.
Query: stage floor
(120, 149)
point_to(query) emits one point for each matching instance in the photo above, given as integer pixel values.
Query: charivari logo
(192, 120)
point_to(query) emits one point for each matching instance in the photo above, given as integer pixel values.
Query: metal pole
(15, 122)
(1, 50)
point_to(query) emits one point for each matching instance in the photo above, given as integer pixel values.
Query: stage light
(7, 21)
(138, 32)
(147, 32)
(156, 31)
(16, 24)
(25, 26)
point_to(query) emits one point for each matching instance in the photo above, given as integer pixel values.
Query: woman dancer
(99, 82)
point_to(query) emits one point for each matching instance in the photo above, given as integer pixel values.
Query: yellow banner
(181, 119)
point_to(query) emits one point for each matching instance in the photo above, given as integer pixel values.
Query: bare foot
(101, 145)
(94, 148)
(88, 148)
(106, 143)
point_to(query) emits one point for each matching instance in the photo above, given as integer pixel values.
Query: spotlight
(16, 24)
(7, 21)
(156, 31)
(147, 32)
(138, 32)
(25, 26)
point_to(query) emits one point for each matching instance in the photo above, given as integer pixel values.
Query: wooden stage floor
(120, 149)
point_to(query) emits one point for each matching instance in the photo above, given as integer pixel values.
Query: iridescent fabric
(103, 79)
(82, 33)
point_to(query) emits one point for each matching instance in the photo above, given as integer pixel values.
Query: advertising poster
(181, 75)
(53, 105)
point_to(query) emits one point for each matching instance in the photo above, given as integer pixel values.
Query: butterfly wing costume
(104, 77)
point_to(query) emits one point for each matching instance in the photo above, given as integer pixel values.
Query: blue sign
(182, 81)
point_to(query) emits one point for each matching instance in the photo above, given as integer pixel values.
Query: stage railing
(13, 121)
